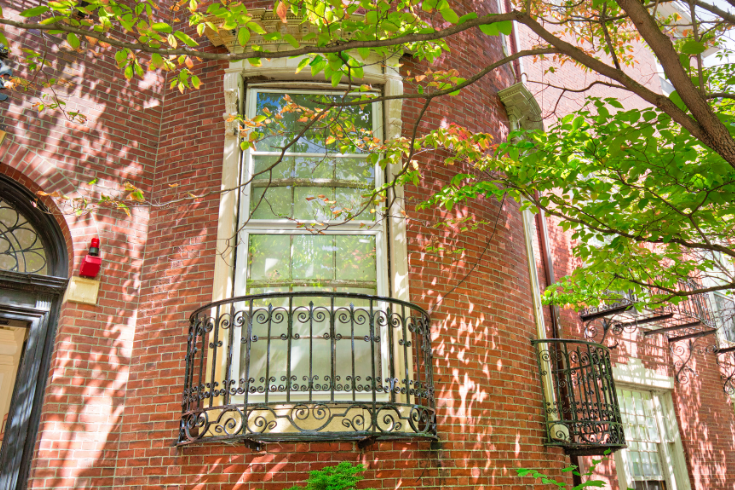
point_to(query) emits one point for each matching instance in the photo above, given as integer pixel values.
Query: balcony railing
(690, 318)
(308, 365)
(580, 403)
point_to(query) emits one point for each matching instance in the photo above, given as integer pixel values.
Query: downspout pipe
(543, 238)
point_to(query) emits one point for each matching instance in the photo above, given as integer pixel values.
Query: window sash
(369, 227)
(249, 161)
(647, 436)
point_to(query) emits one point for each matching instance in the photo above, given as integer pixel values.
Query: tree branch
(330, 48)
(705, 126)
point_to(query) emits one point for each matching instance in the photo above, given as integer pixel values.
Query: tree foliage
(647, 193)
(648, 204)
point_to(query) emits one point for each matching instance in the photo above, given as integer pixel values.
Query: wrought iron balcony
(580, 403)
(308, 365)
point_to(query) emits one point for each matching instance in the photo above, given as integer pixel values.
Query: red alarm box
(92, 262)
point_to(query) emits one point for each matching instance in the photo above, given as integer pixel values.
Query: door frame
(42, 296)
(27, 400)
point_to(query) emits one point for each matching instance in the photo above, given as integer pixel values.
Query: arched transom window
(21, 248)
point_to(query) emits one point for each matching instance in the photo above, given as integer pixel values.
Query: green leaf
(73, 40)
(243, 36)
(121, 57)
(693, 47)
(93, 181)
(303, 64)
(490, 29)
(506, 27)
(428, 5)
(336, 78)
(35, 11)
(291, 40)
(196, 82)
(3, 39)
(449, 15)
(256, 28)
(466, 17)
(186, 39)
(676, 99)
(389, 26)
(161, 27)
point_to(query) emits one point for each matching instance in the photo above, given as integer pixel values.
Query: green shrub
(344, 476)
(589, 483)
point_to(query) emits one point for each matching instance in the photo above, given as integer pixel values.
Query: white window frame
(634, 376)
(289, 226)
(392, 283)
(377, 73)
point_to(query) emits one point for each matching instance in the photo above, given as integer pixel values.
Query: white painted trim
(226, 224)
(398, 249)
(636, 374)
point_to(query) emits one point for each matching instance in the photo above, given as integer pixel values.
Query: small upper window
(21, 248)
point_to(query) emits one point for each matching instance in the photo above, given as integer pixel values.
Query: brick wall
(112, 406)
(86, 386)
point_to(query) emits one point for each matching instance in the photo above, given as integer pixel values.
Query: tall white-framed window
(654, 458)
(280, 251)
(312, 184)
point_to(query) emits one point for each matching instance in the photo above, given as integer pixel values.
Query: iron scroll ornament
(308, 365)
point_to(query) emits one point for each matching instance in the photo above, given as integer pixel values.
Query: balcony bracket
(727, 363)
(255, 445)
(683, 353)
(367, 442)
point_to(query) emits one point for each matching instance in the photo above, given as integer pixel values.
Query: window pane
(275, 205)
(312, 262)
(21, 249)
(642, 435)
(355, 120)
(314, 168)
(270, 257)
(351, 201)
(726, 315)
(357, 169)
(353, 301)
(263, 303)
(356, 258)
(263, 166)
(313, 257)
(309, 206)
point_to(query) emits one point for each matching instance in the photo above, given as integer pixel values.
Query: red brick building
(151, 377)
